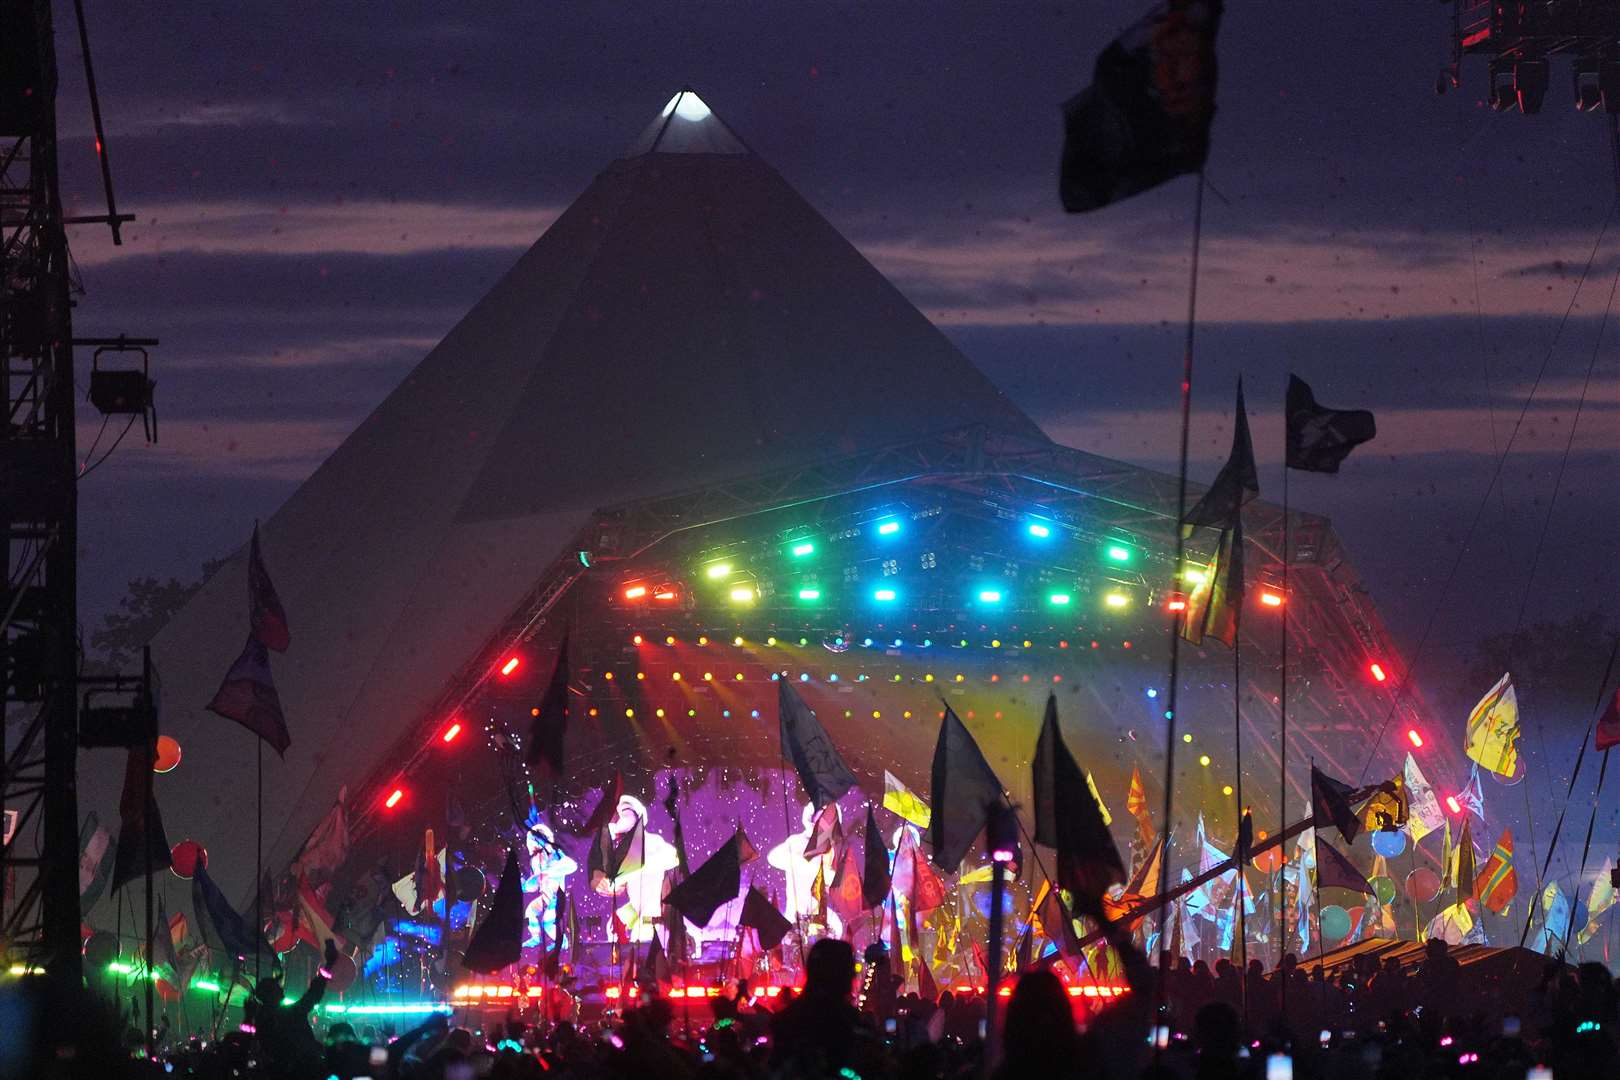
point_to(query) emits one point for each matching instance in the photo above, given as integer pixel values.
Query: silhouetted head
(1435, 948)
(1038, 1009)
(830, 968)
(1217, 1030)
(268, 990)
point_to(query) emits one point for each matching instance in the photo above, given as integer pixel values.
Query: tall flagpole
(1282, 740)
(1237, 757)
(258, 866)
(1181, 549)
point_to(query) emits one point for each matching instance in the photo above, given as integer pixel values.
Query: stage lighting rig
(1521, 37)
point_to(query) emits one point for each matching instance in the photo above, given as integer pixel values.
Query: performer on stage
(549, 867)
(634, 874)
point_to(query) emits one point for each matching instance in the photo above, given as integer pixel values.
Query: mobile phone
(1538, 1072)
(1160, 1036)
(889, 1026)
(1510, 1026)
(1324, 1036)
(379, 1056)
(984, 1028)
(1281, 1067)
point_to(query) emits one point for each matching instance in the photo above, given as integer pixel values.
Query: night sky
(322, 193)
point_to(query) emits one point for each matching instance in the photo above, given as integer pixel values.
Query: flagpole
(1181, 547)
(146, 837)
(1282, 727)
(1237, 757)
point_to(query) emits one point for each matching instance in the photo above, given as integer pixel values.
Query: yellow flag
(1493, 729)
(1108, 819)
(1601, 900)
(901, 800)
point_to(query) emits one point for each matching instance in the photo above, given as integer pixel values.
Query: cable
(99, 461)
(90, 453)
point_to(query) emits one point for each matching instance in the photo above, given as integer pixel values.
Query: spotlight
(511, 665)
(1377, 671)
(1530, 85)
(884, 595)
(989, 596)
(888, 528)
(1117, 601)
(809, 594)
(802, 549)
(1203, 759)
(394, 797)
(1271, 599)
(1414, 738)
(742, 594)
(635, 592)
(1118, 553)
(1039, 530)
(1059, 599)
(718, 570)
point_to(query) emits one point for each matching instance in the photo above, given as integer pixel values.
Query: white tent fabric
(689, 319)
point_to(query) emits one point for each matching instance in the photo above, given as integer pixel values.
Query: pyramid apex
(687, 125)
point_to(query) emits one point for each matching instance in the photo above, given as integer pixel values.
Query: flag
(807, 745)
(143, 848)
(846, 895)
(1068, 817)
(1493, 729)
(1144, 885)
(606, 808)
(498, 941)
(655, 969)
(1448, 860)
(1497, 883)
(761, 915)
(94, 869)
(1330, 805)
(407, 889)
(265, 615)
(1599, 901)
(1048, 913)
(550, 727)
(1466, 873)
(328, 846)
(218, 922)
(1472, 796)
(902, 801)
(824, 834)
(1145, 117)
(1608, 725)
(963, 791)
(248, 696)
(1455, 926)
(1213, 605)
(1235, 485)
(914, 879)
(1386, 808)
(1319, 439)
(1334, 870)
(163, 940)
(553, 964)
(875, 870)
(430, 873)
(712, 884)
(1426, 815)
(1136, 803)
(1555, 917)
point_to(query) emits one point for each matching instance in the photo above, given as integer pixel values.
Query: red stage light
(1377, 671)
(1453, 805)
(451, 732)
(511, 665)
(394, 797)
(636, 640)
(1178, 604)
(1414, 738)
(635, 592)
(665, 595)
(1271, 599)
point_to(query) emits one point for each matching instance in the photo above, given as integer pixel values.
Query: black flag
(248, 696)
(714, 883)
(964, 790)
(1067, 817)
(143, 847)
(1319, 439)
(1145, 117)
(265, 615)
(757, 912)
(806, 743)
(217, 921)
(498, 941)
(1330, 805)
(875, 870)
(1236, 484)
(1333, 869)
(551, 719)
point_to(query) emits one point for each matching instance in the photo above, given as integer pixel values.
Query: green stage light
(206, 984)
(718, 570)
(809, 594)
(803, 548)
(989, 596)
(884, 595)
(1058, 599)
(1118, 553)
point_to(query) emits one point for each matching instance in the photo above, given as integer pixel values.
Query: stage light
(960, 677)
(737, 641)
(666, 594)
(718, 570)
(888, 528)
(676, 677)
(1118, 553)
(1186, 736)
(1118, 601)
(1152, 692)
(809, 594)
(636, 640)
(1414, 738)
(883, 595)
(669, 639)
(630, 714)
(1039, 531)
(641, 676)
(1270, 599)
(989, 596)
(635, 592)
(451, 732)
(708, 676)
(1226, 789)
(770, 641)
(1203, 759)
(659, 713)
(1176, 603)
(1377, 671)
(928, 677)
(833, 677)
(804, 676)
(1059, 599)
(739, 676)
(608, 675)
(995, 643)
(1194, 575)
(394, 797)
(742, 594)
(511, 665)
(803, 548)
(1453, 805)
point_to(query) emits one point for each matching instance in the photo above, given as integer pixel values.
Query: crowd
(1184, 1021)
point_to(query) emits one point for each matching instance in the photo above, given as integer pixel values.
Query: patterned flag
(1554, 917)
(1213, 605)
(248, 696)
(163, 940)
(328, 846)
(143, 847)
(824, 832)
(1472, 796)
(845, 895)
(1600, 901)
(964, 790)
(902, 801)
(1333, 870)
(914, 879)
(1235, 485)
(875, 870)
(1493, 730)
(1330, 805)
(1608, 725)
(94, 869)
(1448, 860)
(1068, 817)
(550, 727)
(1426, 815)
(1145, 117)
(265, 615)
(1319, 439)
(1136, 804)
(498, 941)
(1497, 884)
(807, 745)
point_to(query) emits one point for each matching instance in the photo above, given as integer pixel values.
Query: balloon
(1423, 885)
(1510, 781)
(343, 974)
(1267, 861)
(186, 857)
(469, 883)
(100, 950)
(168, 755)
(1335, 923)
(1384, 889)
(1389, 844)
